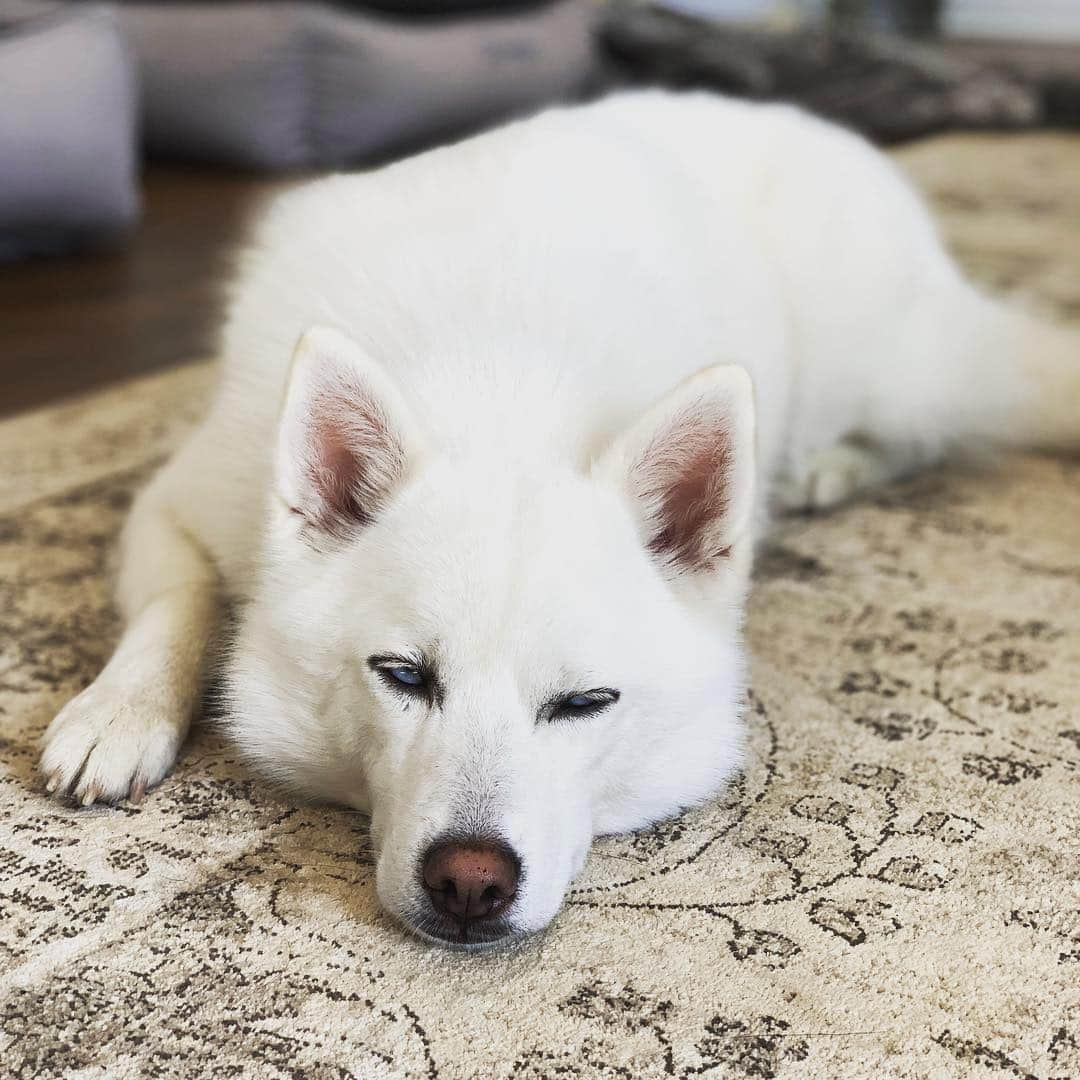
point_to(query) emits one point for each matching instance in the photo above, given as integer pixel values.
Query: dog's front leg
(121, 735)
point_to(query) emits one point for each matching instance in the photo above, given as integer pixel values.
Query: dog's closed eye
(583, 703)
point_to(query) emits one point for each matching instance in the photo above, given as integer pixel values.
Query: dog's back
(540, 284)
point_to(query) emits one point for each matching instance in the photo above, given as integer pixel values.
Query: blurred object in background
(287, 85)
(235, 100)
(911, 18)
(299, 84)
(291, 85)
(257, 85)
(835, 59)
(68, 106)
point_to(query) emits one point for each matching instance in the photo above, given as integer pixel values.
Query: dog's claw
(111, 743)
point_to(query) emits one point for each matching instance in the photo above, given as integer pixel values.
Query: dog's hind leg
(122, 733)
(839, 472)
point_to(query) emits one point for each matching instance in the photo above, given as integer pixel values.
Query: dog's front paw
(111, 743)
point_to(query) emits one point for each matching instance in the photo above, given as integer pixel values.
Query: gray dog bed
(283, 85)
(289, 85)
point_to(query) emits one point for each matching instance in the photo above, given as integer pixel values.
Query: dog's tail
(1047, 416)
(1022, 379)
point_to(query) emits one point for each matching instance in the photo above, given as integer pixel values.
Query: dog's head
(498, 656)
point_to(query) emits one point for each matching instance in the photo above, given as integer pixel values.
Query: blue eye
(403, 675)
(407, 676)
(578, 701)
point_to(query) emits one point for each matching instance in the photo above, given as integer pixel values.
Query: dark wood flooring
(73, 322)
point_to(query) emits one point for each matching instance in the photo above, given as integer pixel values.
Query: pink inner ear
(354, 458)
(335, 473)
(685, 474)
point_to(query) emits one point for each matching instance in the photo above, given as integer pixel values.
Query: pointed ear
(345, 436)
(688, 467)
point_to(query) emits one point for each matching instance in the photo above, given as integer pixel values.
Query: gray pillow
(67, 131)
(292, 84)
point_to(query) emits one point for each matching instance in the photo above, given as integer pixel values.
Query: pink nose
(471, 879)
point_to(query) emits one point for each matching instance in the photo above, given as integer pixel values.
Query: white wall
(1033, 20)
(1046, 20)
(748, 10)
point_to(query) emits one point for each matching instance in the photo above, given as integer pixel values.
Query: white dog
(485, 473)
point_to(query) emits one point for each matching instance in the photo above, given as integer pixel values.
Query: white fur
(512, 324)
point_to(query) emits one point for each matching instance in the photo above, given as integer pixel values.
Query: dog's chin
(468, 937)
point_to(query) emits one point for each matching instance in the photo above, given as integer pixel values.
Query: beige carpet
(891, 890)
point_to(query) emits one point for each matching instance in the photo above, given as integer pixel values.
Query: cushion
(67, 142)
(292, 84)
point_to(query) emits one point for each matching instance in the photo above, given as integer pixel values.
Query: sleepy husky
(497, 431)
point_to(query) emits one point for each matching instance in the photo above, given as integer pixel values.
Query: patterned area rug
(889, 890)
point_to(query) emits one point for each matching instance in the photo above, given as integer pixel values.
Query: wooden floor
(71, 323)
